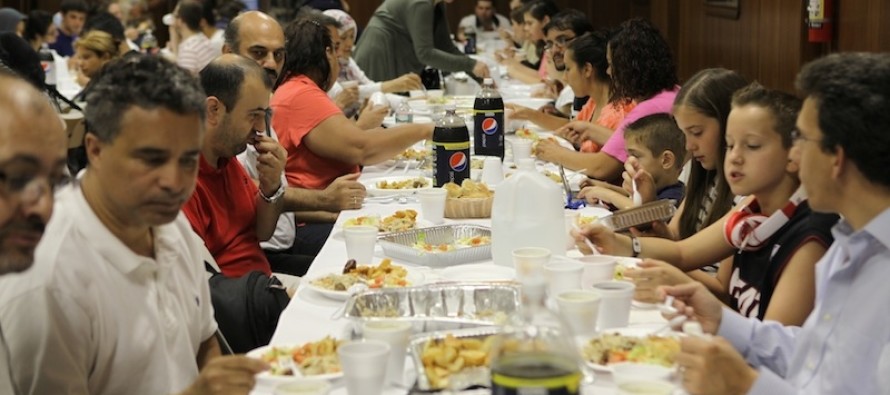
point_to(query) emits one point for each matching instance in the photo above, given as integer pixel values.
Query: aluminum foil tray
(400, 245)
(437, 306)
(462, 379)
(642, 216)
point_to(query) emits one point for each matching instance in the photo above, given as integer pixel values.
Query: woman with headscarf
(404, 36)
(349, 70)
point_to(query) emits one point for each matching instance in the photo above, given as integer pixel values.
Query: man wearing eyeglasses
(32, 162)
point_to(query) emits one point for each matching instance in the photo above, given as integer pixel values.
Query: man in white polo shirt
(117, 301)
(32, 162)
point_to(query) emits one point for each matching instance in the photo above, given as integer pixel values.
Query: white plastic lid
(488, 81)
(450, 107)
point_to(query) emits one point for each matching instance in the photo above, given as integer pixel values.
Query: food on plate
(443, 357)
(553, 176)
(612, 348)
(466, 242)
(586, 219)
(400, 221)
(619, 272)
(365, 220)
(411, 183)
(311, 359)
(413, 154)
(468, 189)
(436, 99)
(527, 133)
(384, 275)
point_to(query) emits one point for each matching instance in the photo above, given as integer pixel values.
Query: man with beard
(563, 28)
(32, 163)
(117, 301)
(259, 37)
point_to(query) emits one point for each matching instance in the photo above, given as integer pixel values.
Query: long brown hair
(709, 92)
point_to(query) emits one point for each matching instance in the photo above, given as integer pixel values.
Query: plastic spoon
(586, 240)
(637, 198)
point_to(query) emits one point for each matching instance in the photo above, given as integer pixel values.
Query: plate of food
(384, 275)
(590, 215)
(396, 185)
(399, 221)
(629, 345)
(316, 360)
(460, 243)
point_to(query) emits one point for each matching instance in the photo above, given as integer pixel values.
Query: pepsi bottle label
(451, 162)
(489, 132)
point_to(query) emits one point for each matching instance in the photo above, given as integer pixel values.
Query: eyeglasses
(797, 136)
(562, 41)
(28, 188)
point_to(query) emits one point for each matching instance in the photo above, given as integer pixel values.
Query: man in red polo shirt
(228, 210)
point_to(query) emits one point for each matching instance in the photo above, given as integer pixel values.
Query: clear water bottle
(535, 354)
(404, 114)
(451, 149)
(149, 43)
(488, 121)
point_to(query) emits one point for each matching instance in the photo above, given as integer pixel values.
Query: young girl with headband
(772, 239)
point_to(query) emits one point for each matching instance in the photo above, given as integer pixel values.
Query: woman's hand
(371, 116)
(605, 240)
(405, 83)
(347, 97)
(651, 274)
(520, 112)
(549, 150)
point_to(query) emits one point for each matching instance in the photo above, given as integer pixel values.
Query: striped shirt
(196, 52)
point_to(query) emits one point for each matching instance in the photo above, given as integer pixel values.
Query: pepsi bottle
(451, 149)
(488, 117)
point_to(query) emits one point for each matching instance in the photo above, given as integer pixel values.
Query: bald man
(32, 163)
(258, 36)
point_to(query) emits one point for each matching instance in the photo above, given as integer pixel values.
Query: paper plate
(373, 190)
(413, 276)
(266, 378)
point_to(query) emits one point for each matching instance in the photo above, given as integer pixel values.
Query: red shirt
(299, 105)
(223, 212)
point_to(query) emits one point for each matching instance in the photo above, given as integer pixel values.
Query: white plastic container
(527, 212)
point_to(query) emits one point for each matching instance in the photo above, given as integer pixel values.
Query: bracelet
(275, 197)
(636, 246)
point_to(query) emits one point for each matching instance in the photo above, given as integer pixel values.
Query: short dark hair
(209, 12)
(74, 5)
(223, 77)
(17, 55)
(518, 15)
(659, 133)
(307, 42)
(570, 19)
(783, 106)
(591, 48)
(851, 92)
(231, 34)
(37, 24)
(642, 65)
(541, 8)
(104, 21)
(709, 92)
(191, 12)
(319, 17)
(143, 81)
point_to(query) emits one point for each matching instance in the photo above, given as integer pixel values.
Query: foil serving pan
(463, 378)
(434, 307)
(400, 245)
(642, 216)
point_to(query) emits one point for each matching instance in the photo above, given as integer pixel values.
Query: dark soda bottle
(488, 117)
(451, 149)
(470, 36)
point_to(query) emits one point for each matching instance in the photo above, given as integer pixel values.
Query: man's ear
(93, 147)
(668, 159)
(215, 110)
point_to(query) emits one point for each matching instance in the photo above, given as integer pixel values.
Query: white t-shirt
(195, 52)
(286, 228)
(91, 316)
(566, 98)
(5, 379)
(218, 39)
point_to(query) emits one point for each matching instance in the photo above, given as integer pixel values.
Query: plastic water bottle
(488, 121)
(149, 43)
(404, 114)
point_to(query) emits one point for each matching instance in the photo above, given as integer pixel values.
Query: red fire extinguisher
(819, 21)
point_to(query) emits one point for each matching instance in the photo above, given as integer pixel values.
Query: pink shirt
(659, 103)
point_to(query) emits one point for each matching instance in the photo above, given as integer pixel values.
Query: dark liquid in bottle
(535, 374)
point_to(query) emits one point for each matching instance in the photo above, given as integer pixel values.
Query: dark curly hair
(143, 81)
(642, 64)
(709, 93)
(851, 92)
(307, 45)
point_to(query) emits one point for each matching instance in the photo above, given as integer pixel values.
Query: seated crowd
(148, 257)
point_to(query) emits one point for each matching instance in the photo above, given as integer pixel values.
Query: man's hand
(371, 116)
(696, 302)
(347, 97)
(345, 193)
(651, 274)
(405, 83)
(633, 171)
(231, 374)
(480, 70)
(271, 157)
(713, 366)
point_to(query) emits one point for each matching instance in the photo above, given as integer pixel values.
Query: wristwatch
(275, 197)
(636, 246)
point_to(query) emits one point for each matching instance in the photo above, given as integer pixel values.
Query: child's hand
(633, 171)
(651, 274)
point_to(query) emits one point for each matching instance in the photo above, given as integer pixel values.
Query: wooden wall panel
(863, 25)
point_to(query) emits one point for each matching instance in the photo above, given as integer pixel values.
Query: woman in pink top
(642, 70)
(321, 143)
